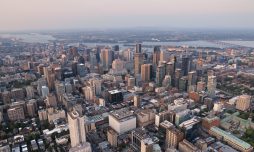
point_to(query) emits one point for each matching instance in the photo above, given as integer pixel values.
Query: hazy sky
(78, 14)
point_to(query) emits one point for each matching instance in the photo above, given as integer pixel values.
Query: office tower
(41, 82)
(128, 55)
(182, 116)
(31, 107)
(200, 61)
(81, 70)
(16, 113)
(167, 81)
(131, 82)
(164, 55)
(136, 101)
(51, 100)
(137, 136)
(178, 75)
(201, 86)
(74, 67)
(29, 92)
(138, 61)
(115, 96)
(147, 145)
(96, 84)
(68, 87)
(106, 57)
(77, 128)
(160, 74)
(88, 91)
(60, 90)
(146, 72)
(173, 137)
(190, 128)
(122, 120)
(138, 48)
(243, 103)
(50, 77)
(186, 65)
(170, 69)
(183, 83)
(58, 73)
(156, 55)
(192, 78)
(118, 67)
(211, 85)
(44, 91)
(112, 136)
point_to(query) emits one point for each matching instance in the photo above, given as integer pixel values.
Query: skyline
(85, 14)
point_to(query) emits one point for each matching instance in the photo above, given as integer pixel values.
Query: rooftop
(231, 137)
(122, 113)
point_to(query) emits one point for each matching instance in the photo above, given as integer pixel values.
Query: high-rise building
(50, 77)
(156, 55)
(186, 65)
(170, 68)
(164, 55)
(51, 100)
(44, 91)
(31, 107)
(29, 92)
(137, 136)
(106, 57)
(77, 128)
(243, 103)
(211, 85)
(192, 78)
(173, 137)
(138, 48)
(115, 96)
(122, 120)
(60, 90)
(160, 74)
(146, 72)
(112, 136)
(138, 61)
(17, 93)
(136, 100)
(16, 113)
(81, 69)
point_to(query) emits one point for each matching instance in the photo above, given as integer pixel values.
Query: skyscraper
(156, 55)
(106, 57)
(160, 74)
(173, 137)
(138, 60)
(146, 72)
(243, 103)
(186, 64)
(211, 85)
(77, 128)
(138, 48)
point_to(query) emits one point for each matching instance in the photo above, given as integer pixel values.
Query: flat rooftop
(122, 114)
